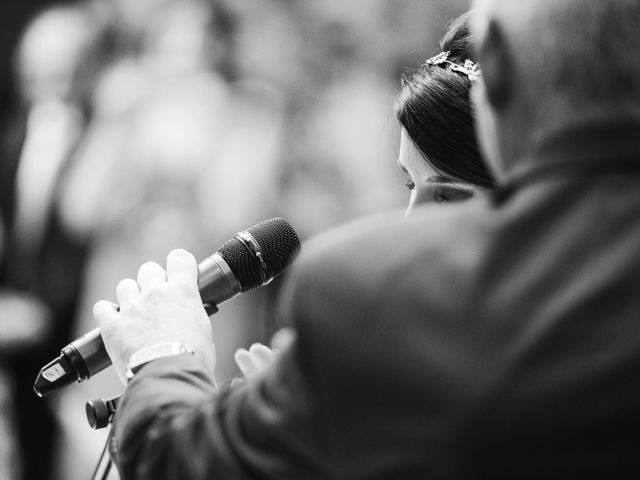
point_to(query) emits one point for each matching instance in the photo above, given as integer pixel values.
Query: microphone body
(250, 259)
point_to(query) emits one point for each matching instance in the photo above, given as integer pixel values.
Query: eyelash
(440, 198)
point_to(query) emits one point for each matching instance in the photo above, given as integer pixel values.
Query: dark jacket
(496, 339)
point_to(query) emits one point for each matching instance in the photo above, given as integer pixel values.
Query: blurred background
(132, 127)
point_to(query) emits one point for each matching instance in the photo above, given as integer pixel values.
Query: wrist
(154, 352)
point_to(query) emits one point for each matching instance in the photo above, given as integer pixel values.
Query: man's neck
(522, 139)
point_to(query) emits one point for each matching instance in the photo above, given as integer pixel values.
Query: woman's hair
(435, 110)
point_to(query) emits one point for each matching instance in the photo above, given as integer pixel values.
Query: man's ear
(496, 65)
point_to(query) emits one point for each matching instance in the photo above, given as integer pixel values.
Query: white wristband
(154, 352)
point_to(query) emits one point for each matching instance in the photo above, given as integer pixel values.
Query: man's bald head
(560, 62)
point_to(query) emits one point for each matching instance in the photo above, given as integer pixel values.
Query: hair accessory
(469, 68)
(440, 59)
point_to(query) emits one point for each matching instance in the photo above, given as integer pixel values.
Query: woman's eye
(440, 197)
(410, 184)
(451, 194)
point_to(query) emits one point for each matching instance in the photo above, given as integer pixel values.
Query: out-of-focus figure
(56, 62)
(9, 452)
(13, 17)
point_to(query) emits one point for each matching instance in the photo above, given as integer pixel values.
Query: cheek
(412, 202)
(421, 194)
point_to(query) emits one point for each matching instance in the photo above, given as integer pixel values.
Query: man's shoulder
(376, 274)
(384, 235)
(365, 255)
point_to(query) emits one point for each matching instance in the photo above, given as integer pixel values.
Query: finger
(283, 338)
(127, 291)
(261, 353)
(182, 267)
(150, 274)
(235, 381)
(104, 311)
(245, 362)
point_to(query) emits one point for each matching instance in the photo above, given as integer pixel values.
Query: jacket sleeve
(172, 423)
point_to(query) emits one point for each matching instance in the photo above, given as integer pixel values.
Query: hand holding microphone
(159, 308)
(153, 307)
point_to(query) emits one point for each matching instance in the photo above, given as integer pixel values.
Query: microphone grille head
(278, 245)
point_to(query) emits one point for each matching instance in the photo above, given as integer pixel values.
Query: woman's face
(427, 185)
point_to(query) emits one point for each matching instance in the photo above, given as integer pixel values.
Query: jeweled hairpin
(469, 68)
(442, 57)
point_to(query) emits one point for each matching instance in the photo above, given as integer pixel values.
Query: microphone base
(210, 308)
(56, 374)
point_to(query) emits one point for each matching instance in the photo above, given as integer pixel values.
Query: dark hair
(434, 108)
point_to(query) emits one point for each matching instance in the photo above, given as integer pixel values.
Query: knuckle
(179, 252)
(185, 289)
(125, 282)
(148, 266)
(155, 293)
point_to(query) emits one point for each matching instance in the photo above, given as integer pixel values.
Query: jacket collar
(593, 150)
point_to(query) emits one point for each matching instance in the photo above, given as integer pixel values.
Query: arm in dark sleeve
(173, 423)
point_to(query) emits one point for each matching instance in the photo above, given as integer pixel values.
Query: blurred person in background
(10, 455)
(13, 18)
(55, 63)
(14, 15)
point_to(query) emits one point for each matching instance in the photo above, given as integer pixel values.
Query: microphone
(250, 259)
